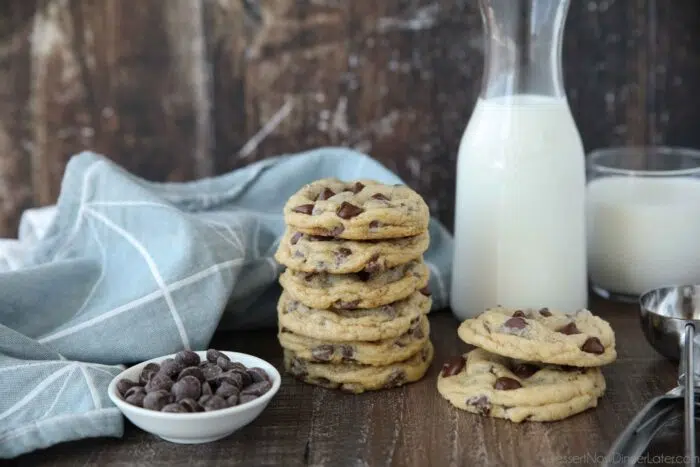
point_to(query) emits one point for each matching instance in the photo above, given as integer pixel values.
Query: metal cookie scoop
(669, 317)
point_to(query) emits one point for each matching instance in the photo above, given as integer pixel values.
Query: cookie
(357, 210)
(355, 290)
(356, 378)
(311, 253)
(547, 336)
(488, 384)
(385, 322)
(377, 353)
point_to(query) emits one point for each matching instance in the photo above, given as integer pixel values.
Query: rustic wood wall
(180, 89)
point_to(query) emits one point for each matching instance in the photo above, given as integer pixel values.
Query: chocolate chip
(519, 314)
(569, 329)
(232, 401)
(357, 187)
(335, 231)
(343, 252)
(516, 323)
(124, 385)
(347, 351)
(374, 225)
(364, 276)
(134, 390)
(188, 387)
(324, 382)
(453, 366)
(159, 382)
(341, 305)
(425, 291)
(295, 238)
(258, 374)
(524, 370)
(187, 358)
(310, 275)
(223, 362)
(481, 403)
(257, 389)
(174, 408)
(147, 372)
(389, 311)
(211, 371)
(213, 403)
(320, 238)
(348, 211)
(136, 398)
(545, 312)
(206, 389)
(396, 378)
(417, 332)
(243, 398)
(304, 209)
(156, 400)
(170, 367)
(191, 405)
(233, 377)
(192, 371)
(593, 345)
(506, 384)
(323, 353)
(212, 355)
(227, 390)
(325, 194)
(380, 196)
(373, 265)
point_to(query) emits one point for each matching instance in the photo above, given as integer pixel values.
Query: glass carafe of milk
(519, 210)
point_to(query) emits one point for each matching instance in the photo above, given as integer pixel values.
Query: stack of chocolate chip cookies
(352, 314)
(538, 365)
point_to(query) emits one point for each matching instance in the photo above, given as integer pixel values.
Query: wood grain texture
(187, 88)
(15, 191)
(408, 426)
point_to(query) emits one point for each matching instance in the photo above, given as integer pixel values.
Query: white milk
(519, 212)
(643, 233)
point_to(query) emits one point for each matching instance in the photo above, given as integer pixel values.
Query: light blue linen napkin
(123, 270)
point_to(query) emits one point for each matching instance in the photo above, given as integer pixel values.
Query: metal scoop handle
(632, 442)
(689, 399)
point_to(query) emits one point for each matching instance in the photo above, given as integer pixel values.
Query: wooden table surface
(408, 426)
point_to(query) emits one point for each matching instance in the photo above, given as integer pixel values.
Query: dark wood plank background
(180, 89)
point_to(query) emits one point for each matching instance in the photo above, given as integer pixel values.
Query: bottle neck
(523, 43)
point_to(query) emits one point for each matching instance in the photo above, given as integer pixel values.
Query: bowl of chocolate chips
(195, 397)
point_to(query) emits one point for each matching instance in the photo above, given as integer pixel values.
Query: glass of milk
(642, 219)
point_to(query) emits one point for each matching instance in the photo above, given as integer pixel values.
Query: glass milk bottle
(519, 209)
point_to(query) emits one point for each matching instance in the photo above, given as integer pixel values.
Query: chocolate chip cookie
(579, 339)
(371, 324)
(357, 210)
(356, 290)
(312, 253)
(377, 353)
(356, 378)
(496, 386)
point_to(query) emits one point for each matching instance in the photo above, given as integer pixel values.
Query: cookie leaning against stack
(353, 311)
(537, 365)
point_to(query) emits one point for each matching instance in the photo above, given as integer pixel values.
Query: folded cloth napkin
(123, 270)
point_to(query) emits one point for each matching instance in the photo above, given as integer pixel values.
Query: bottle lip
(645, 161)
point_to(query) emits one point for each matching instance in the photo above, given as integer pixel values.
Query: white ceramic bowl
(198, 427)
